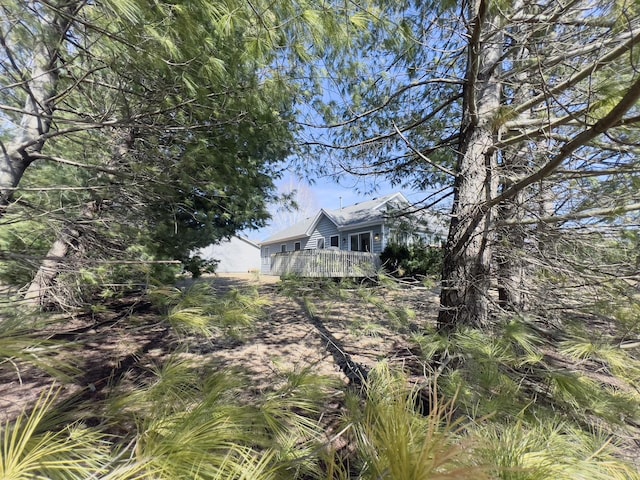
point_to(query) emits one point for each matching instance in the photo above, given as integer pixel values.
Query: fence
(325, 263)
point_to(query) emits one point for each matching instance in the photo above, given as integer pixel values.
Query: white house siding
(236, 255)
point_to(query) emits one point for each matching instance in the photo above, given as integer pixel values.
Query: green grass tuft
(29, 450)
(200, 310)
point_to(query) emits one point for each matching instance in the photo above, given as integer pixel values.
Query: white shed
(236, 255)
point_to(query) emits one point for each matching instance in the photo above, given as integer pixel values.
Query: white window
(320, 244)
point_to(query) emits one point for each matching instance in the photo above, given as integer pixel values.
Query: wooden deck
(325, 263)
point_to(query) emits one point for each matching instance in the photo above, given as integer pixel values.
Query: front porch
(325, 263)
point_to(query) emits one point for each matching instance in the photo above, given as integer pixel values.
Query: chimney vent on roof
(340, 203)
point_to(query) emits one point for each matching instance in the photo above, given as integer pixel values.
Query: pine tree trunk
(36, 295)
(510, 256)
(69, 238)
(546, 207)
(51, 266)
(41, 86)
(466, 275)
(35, 122)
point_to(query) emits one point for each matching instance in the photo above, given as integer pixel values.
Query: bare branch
(590, 213)
(424, 158)
(64, 161)
(585, 72)
(611, 119)
(390, 98)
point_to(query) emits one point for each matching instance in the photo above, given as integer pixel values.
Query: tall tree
(164, 122)
(466, 273)
(32, 81)
(488, 101)
(172, 117)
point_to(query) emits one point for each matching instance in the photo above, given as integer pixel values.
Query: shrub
(411, 260)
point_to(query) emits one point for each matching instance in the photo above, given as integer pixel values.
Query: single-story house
(236, 255)
(364, 227)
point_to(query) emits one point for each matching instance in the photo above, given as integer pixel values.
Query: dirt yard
(339, 332)
(364, 330)
(328, 333)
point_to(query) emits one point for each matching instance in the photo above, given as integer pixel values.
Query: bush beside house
(417, 258)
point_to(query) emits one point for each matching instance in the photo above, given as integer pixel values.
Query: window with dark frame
(320, 244)
(283, 248)
(335, 241)
(296, 246)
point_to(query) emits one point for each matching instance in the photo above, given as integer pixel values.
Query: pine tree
(499, 107)
(172, 127)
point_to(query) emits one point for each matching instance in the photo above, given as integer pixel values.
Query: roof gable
(299, 230)
(246, 240)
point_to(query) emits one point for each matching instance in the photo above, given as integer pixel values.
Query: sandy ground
(290, 337)
(114, 347)
(331, 332)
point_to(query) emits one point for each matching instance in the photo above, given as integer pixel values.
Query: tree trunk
(41, 87)
(510, 255)
(68, 240)
(514, 289)
(69, 237)
(546, 208)
(466, 274)
(36, 295)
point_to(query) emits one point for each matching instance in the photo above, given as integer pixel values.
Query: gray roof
(369, 212)
(246, 240)
(294, 231)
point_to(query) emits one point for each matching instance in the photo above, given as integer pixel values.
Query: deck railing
(325, 263)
